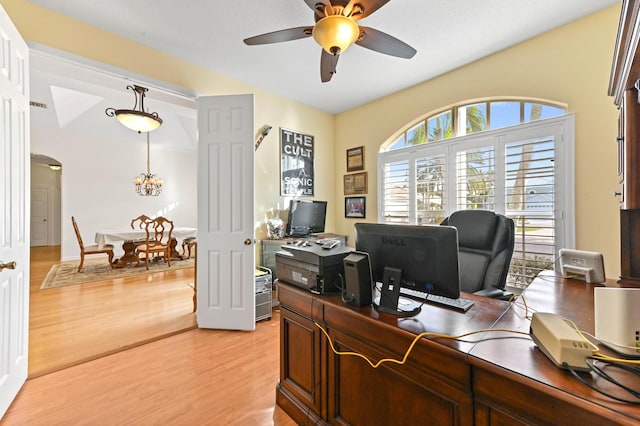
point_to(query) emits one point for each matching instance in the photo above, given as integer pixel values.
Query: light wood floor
(195, 377)
(77, 323)
(200, 377)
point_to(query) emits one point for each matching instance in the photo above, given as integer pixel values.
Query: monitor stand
(390, 300)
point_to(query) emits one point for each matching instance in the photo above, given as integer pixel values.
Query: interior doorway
(46, 220)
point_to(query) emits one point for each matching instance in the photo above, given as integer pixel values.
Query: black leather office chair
(486, 241)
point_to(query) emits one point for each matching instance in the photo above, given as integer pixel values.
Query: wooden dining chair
(89, 250)
(140, 222)
(158, 240)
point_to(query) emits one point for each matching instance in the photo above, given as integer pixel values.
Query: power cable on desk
(514, 301)
(413, 343)
(599, 371)
(343, 290)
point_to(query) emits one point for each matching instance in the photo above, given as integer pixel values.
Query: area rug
(65, 274)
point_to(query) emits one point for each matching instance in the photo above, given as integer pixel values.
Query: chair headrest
(476, 228)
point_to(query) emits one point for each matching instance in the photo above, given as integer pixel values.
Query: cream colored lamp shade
(335, 33)
(139, 121)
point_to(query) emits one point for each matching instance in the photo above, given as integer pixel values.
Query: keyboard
(461, 304)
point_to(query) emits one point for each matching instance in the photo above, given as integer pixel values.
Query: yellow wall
(569, 65)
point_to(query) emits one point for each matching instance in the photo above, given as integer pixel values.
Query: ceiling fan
(336, 29)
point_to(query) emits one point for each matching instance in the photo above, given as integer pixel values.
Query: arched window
(457, 159)
(478, 116)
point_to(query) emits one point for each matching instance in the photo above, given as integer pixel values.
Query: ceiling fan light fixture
(335, 33)
(137, 118)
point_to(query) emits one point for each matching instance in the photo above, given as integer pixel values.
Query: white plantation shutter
(530, 202)
(524, 172)
(475, 169)
(431, 189)
(395, 188)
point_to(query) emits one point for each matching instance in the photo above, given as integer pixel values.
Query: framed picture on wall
(355, 207)
(355, 159)
(355, 183)
(296, 163)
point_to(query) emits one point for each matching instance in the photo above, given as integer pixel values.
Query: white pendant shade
(137, 120)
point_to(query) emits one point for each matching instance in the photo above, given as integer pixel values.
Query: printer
(312, 267)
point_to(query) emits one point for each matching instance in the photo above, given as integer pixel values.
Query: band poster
(296, 163)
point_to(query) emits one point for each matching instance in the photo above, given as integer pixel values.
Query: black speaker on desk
(357, 272)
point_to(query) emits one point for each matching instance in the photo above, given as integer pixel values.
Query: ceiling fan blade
(280, 36)
(328, 63)
(384, 43)
(313, 4)
(367, 6)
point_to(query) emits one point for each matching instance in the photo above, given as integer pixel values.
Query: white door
(14, 213)
(226, 266)
(39, 216)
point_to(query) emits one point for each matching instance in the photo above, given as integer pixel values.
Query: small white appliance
(617, 319)
(584, 265)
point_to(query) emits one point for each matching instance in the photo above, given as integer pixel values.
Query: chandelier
(148, 184)
(137, 118)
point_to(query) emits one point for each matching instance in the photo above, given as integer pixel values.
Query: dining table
(131, 237)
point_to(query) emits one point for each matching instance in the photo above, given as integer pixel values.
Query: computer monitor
(426, 256)
(306, 217)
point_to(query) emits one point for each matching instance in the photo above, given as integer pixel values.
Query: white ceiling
(446, 33)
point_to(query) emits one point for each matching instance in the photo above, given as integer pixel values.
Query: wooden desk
(448, 382)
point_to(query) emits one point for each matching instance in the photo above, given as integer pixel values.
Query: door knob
(10, 265)
(247, 242)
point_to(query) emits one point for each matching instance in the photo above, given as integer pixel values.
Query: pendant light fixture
(137, 118)
(148, 184)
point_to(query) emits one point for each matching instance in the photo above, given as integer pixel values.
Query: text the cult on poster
(296, 165)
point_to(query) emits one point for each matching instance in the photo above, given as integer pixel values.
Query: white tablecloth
(110, 237)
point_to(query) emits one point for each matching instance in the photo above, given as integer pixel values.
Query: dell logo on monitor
(393, 241)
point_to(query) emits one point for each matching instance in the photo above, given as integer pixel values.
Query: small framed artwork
(355, 159)
(355, 207)
(355, 183)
